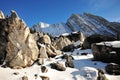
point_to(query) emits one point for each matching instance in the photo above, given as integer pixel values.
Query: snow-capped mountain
(52, 29)
(87, 23)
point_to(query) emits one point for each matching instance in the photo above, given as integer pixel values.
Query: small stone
(16, 73)
(24, 78)
(44, 78)
(95, 63)
(44, 69)
(36, 76)
(84, 54)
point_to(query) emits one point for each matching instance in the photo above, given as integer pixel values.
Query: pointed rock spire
(14, 14)
(1, 15)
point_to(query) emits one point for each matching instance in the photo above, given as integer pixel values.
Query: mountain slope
(87, 23)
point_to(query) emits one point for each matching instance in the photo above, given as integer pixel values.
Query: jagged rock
(51, 51)
(21, 47)
(113, 69)
(58, 66)
(46, 39)
(44, 78)
(14, 15)
(2, 15)
(44, 69)
(75, 36)
(61, 43)
(4, 28)
(24, 78)
(106, 52)
(42, 51)
(69, 62)
(96, 39)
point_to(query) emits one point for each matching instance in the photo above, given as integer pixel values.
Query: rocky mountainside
(86, 23)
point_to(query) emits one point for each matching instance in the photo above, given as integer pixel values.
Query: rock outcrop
(62, 42)
(22, 49)
(4, 28)
(18, 45)
(96, 39)
(107, 51)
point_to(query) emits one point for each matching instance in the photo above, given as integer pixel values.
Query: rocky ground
(29, 55)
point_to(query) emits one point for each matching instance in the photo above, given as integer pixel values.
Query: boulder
(46, 39)
(69, 48)
(51, 51)
(21, 49)
(58, 66)
(42, 51)
(76, 36)
(69, 62)
(96, 39)
(44, 69)
(62, 42)
(113, 69)
(106, 52)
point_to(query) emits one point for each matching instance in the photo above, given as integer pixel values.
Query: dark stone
(96, 39)
(3, 39)
(106, 53)
(16, 73)
(69, 62)
(69, 48)
(113, 69)
(44, 69)
(57, 66)
(36, 76)
(65, 56)
(44, 78)
(84, 54)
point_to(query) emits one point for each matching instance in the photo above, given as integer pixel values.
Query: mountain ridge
(86, 23)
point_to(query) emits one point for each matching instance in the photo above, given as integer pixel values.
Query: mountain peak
(86, 23)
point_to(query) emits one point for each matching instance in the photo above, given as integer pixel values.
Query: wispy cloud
(101, 4)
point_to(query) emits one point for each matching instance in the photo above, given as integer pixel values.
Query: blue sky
(53, 11)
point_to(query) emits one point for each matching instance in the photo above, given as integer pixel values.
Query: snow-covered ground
(85, 69)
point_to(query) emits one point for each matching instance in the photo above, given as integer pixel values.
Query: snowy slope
(84, 69)
(52, 29)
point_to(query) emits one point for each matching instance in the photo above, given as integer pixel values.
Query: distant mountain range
(86, 23)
